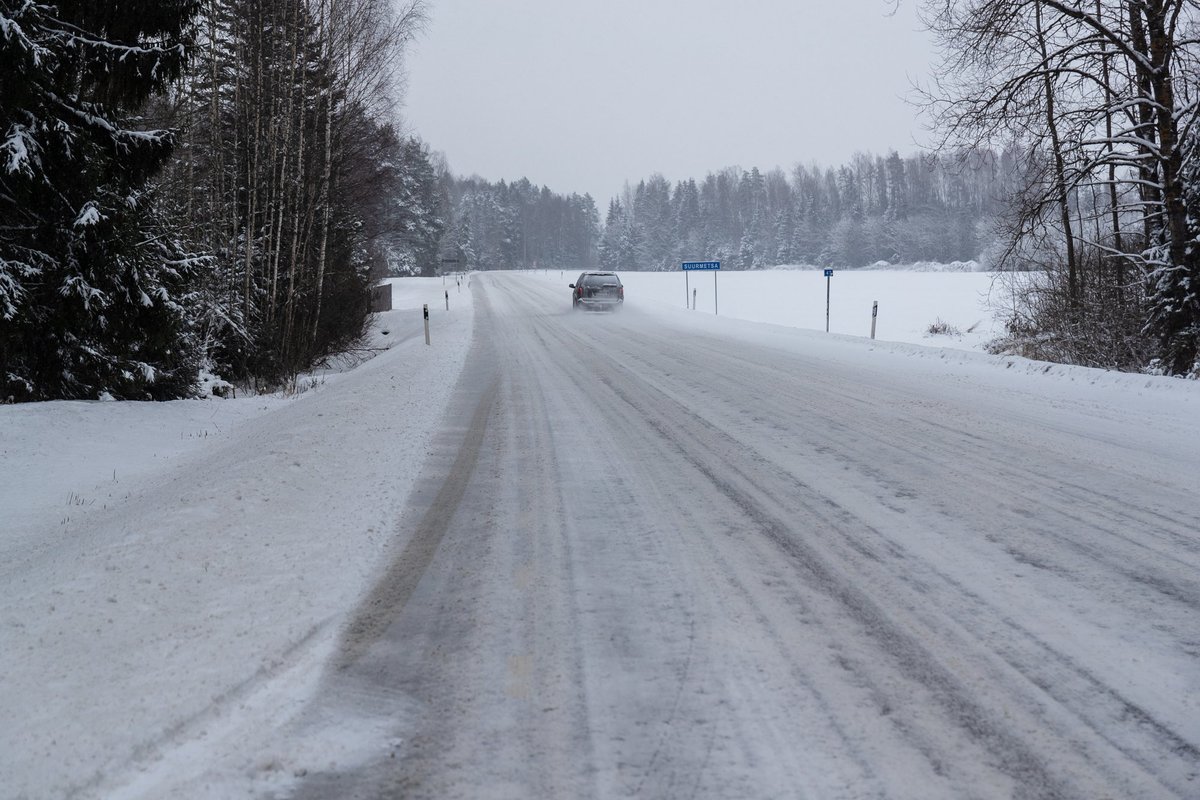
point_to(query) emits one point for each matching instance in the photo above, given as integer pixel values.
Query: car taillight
(621, 292)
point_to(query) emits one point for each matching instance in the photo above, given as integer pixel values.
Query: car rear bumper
(599, 303)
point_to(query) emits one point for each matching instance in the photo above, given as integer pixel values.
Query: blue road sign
(695, 265)
(828, 273)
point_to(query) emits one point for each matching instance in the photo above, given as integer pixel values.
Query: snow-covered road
(663, 555)
(647, 554)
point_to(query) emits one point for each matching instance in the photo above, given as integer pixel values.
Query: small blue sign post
(703, 266)
(828, 281)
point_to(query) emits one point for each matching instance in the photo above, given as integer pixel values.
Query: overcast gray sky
(584, 95)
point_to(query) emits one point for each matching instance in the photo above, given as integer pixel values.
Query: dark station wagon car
(600, 291)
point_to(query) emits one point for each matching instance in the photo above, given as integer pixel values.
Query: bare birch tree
(278, 95)
(1100, 89)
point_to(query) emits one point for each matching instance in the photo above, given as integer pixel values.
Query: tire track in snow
(738, 623)
(1023, 760)
(393, 590)
(914, 658)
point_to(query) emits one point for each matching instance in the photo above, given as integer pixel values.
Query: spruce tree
(610, 240)
(93, 286)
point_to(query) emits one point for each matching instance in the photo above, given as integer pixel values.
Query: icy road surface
(654, 560)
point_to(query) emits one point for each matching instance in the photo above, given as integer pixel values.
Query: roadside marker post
(705, 266)
(828, 281)
(447, 299)
(874, 314)
(426, 323)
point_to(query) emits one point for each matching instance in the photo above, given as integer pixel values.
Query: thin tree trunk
(1161, 52)
(1113, 200)
(282, 140)
(327, 171)
(1060, 179)
(1148, 188)
(299, 56)
(1179, 314)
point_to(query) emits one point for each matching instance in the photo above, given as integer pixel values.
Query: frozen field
(910, 300)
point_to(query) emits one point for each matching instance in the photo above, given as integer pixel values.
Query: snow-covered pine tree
(610, 240)
(418, 202)
(93, 287)
(747, 256)
(584, 230)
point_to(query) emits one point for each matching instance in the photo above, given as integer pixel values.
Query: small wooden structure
(381, 298)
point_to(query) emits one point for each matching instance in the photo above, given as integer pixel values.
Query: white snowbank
(170, 568)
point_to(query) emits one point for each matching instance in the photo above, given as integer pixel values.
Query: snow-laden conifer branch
(86, 302)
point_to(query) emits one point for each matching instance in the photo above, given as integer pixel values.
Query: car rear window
(601, 280)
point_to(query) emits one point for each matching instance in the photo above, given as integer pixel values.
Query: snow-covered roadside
(1161, 402)
(177, 572)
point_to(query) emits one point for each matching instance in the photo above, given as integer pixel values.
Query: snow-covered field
(910, 300)
(174, 576)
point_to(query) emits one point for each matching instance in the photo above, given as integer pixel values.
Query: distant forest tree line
(516, 226)
(918, 208)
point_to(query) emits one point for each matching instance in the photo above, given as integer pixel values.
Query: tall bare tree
(1107, 97)
(279, 97)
